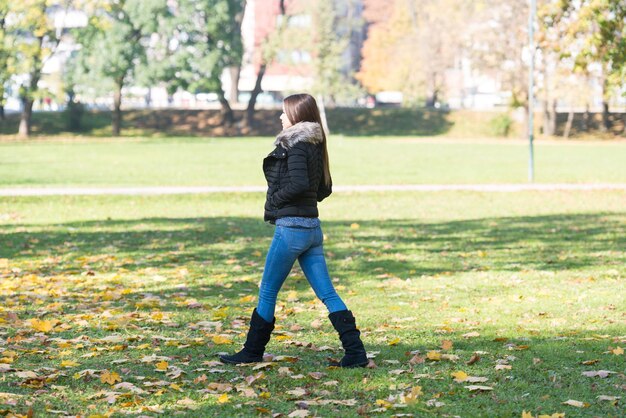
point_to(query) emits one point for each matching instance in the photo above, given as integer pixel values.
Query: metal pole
(531, 82)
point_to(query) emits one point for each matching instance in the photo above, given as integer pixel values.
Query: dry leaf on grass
(577, 404)
(598, 373)
(473, 388)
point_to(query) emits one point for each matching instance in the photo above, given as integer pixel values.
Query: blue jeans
(288, 245)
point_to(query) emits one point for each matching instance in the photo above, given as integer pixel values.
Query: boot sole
(226, 361)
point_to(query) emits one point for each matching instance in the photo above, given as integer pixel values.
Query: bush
(501, 125)
(73, 116)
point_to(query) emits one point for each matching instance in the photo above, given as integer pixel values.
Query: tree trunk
(253, 96)
(227, 112)
(117, 108)
(2, 116)
(586, 119)
(234, 83)
(606, 122)
(26, 118)
(552, 127)
(546, 117)
(568, 125)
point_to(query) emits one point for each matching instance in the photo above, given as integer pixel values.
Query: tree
(204, 40)
(35, 40)
(268, 47)
(330, 36)
(413, 48)
(5, 54)
(594, 32)
(499, 40)
(121, 28)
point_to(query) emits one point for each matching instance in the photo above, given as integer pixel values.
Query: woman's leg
(313, 265)
(278, 264)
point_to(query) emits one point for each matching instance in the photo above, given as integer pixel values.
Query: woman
(298, 176)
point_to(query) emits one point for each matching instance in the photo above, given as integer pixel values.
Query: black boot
(254, 347)
(350, 337)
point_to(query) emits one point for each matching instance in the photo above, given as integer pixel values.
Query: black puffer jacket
(294, 173)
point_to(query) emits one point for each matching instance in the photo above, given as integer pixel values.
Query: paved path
(76, 191)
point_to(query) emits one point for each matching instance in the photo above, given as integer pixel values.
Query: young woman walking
(298, 176)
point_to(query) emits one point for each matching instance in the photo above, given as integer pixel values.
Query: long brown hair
(303, 108)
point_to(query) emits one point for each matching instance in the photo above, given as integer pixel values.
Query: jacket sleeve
(297, 168)
(324, 191)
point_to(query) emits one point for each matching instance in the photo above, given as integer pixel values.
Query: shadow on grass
(403, 248)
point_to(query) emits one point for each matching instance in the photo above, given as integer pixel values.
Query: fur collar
(300, 132)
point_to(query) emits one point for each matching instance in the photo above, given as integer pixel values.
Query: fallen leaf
(69, 363)
(41, 325)
(460, 376)
(475, 357)
(395, 341)
(162, 365)
(110, 377)
(26, 375)
(608, 398)
(223, 398)
(129, 387)
(220, 340)
(417, 359)
(433, 355)
(577, 404)
(618, 351)
(446, 345)
(298, 392)
(412, 396)
(478, 387)
(298, 413)
(598, 373)
(471, 334)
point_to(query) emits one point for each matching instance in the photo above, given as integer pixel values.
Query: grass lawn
(237, 162)
(118, 305)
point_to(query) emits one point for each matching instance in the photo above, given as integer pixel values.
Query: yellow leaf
(223, 398)
(618, 351)
(265, 395)
(412, 396)
(245, 299)
(257, 253)
(219, 340)
(433, 355)
(395, 341)
(176, 387)
(41, 325)
(162, 365)
(355, 226)
(459, 376)
(4, 263)
(110, 377)
(383, 403)
(527, 414)
(69, 363)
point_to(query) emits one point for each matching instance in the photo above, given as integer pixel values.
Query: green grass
(539, 276)
(237, 161)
